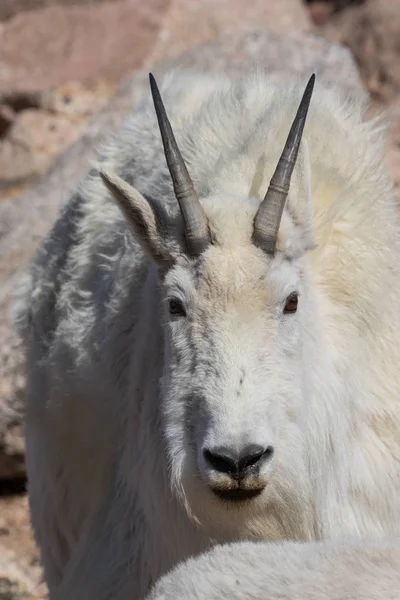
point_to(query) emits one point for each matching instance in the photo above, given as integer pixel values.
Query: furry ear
(149, 223)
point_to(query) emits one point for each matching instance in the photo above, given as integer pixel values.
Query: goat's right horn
(196, 222)
(269, 214)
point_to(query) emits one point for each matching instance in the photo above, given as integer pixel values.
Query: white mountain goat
(224, 367)
(367, 570)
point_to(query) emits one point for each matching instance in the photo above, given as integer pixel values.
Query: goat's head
(233, 302)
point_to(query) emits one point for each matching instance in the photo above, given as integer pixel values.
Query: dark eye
(291, 303)
(176, 307)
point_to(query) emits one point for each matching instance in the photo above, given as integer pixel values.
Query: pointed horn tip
(152, 80)
(155, 92)
(305, 101)
(309, 88)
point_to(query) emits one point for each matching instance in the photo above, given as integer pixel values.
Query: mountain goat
(367, 570)
(212, 356)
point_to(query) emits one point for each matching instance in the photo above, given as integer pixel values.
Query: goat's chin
(222, 520)
(270, 515)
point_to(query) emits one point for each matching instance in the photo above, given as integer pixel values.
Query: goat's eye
(176, 307)
(291, 303)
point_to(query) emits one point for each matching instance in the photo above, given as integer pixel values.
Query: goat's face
(233, 380)
(234, 299)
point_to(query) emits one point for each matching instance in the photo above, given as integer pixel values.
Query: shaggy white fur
(124, 398)
(367, 570)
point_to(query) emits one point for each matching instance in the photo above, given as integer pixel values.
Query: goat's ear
(300, 203)
(148, 225)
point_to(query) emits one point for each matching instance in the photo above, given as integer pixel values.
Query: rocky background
(69, 72)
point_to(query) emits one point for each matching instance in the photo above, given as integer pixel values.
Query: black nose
(237, 464)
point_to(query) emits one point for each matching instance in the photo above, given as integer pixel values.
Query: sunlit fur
(122, 398)
(366, 570)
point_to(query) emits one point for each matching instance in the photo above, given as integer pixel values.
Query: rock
(77, 42)
(66, 40)
(20, 572)
(10, 8)
(33, 141)
(7, 117)
(320, 11)
(24, 220)
(35, 136)
(190, 22)
(17, 582)
(12, 389)
(372, 31)
(18, 101)
(75, 99)
(392, 114)
(61, 39)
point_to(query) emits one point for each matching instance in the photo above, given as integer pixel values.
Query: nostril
(249, 461)
(221, 462)
(268, 453)
(230, 462)
(252, 455)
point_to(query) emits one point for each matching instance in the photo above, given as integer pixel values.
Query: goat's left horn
(269, 214)
(196, 222)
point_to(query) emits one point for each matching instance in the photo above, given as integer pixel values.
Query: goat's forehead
(229, 273)
(228, 276)
(232, 269)
(231, 218)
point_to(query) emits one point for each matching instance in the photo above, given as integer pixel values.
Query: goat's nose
(237, 464)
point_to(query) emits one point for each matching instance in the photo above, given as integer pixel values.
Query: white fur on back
(289, 571)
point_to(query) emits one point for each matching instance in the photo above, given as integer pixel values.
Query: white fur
(367, 570)
(123, 399)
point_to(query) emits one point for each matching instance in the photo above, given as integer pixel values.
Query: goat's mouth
(237, 494)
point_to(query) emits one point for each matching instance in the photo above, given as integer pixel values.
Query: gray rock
(24, 220)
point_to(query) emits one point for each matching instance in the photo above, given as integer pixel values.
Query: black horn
(269, 214)
(195, 219)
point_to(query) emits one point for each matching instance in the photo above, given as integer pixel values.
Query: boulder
(10, 8)
(33, 136)
(20, 570)
(76, 52)
(17, 582)
(24, 220)
(76, 41)
(371, 31)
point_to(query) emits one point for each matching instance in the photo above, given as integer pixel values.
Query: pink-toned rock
(35, 137)
(10, 8)
(393, 142)
(34, 140)
(43, 48)
(7, 117)
(320, 11)
(190, 22)
(372, 32)
(76, 100)
(83, 41)
(19, 581)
